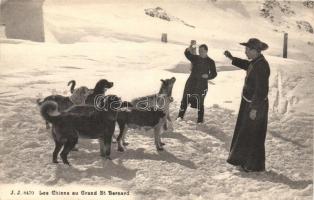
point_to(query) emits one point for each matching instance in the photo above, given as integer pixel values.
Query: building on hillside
(22, 19)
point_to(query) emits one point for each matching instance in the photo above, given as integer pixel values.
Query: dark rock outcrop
(269, 7)
(305, 26)
(308, 4)
(162, 14)
(157, 12)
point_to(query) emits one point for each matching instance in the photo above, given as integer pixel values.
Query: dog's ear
(162, 80)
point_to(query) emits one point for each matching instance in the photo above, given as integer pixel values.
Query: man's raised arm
(238, 62)
(191, 57)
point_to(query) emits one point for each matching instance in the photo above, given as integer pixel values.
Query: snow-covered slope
(217, 23)
(109, 41)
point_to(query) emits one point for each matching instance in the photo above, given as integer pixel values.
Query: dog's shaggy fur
(150, 112)
(81, 95)
(81, 121)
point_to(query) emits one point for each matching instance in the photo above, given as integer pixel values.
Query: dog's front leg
(58, 145)
(56, 151)
(168, 126)
(108, 132)
(157, 131)
(101, 142)
(158, 147)
(121, 141)
(163, 121)
(107, 148)
(68, 146)
(125, 143)
(165, 126)
(170, 122)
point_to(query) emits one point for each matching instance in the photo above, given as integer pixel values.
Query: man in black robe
(203, 69)
(248, 143)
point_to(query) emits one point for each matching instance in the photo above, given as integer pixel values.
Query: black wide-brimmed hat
(255, 43)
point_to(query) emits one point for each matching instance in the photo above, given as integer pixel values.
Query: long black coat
(248, 142)
(196, 85)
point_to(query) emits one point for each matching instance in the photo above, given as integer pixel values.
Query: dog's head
(102, 85)
(166, 86)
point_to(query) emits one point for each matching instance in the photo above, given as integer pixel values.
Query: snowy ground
(193, 165)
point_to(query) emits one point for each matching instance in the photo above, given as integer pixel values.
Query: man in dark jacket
(203, 69)
(248, 143)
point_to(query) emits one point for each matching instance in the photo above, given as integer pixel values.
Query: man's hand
(192, 48)
(228, 54)
(205, 76)
(192, 44)
(253, 114)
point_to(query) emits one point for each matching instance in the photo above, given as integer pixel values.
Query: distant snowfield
(107, 42)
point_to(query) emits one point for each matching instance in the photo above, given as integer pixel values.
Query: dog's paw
(66, 163)
(108, 158)
(170, 129)
(75, 149)
(125, 143)
(55, 161)
(162, 144)
(121, 149)
(160, 148)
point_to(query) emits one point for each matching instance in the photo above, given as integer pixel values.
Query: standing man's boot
(200, 118)
(182, 110)
(181, 113)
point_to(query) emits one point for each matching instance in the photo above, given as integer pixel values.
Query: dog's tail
(49, 111)
(72, 83)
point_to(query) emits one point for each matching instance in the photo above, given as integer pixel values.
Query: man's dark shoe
(200, 120)
(179, 118)
(251, 170)
(181, 114)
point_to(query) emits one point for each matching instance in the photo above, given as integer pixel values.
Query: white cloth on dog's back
(79, 95)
